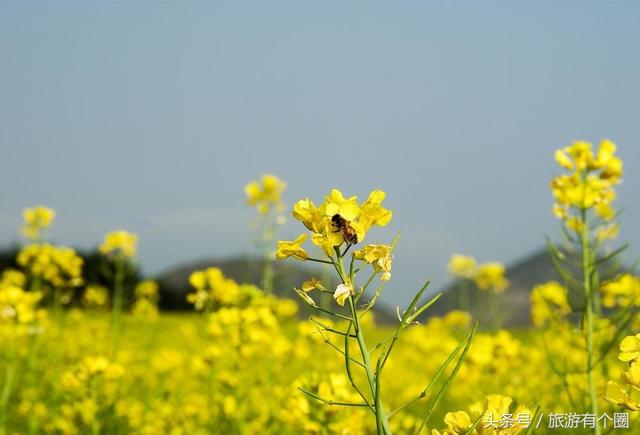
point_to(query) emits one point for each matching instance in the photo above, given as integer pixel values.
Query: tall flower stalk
(120, 248)
(55, 270)
(462, 268)
(337, 226)
(584, 198)
(487, 277)
(266, 196)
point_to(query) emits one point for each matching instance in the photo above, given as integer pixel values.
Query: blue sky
(153, 115)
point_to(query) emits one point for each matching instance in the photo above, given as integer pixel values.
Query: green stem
(267, 257)
(496, 320)
(587, 267)
(57, 305)
(267, 272)
(118, 299)
(382, 422)
(373, 378)
(325, 297)
(7, 388)
(450, 379)
(118, 291)
(36, 284)
(95, 424)
(463, 295)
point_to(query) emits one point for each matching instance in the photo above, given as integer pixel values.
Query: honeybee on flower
(335, 217)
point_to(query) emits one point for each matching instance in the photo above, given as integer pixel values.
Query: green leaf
(533, 419)
(420, 310)
(451, 377)
(475, 423)
(612, 254)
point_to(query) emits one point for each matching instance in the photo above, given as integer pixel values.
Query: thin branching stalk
(329, 401)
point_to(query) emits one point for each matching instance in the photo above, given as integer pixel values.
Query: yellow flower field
(79, 357)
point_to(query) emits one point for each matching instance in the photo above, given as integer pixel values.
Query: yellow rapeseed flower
(294, 249)
(265, 193)
(372, 211)
(12, 277)
(630, 348)
(622, 291)
(59, 266)
(119, 243)
(95, 296)
(490, 276)
(589, 185)
(462, 266)
(336, 203)
(628, 398)
(311, 216)
(328, 238)
(147, 289)
(18, 306)
(357, 218)
(312, 284)
(36, 220)
(379, 256)
(549, 301)
(632, 376)
(458, 421)
(343, 291)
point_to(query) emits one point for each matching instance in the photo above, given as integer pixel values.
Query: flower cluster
(19, 312)
(247, 329)
(335, 222)
(95, 296)
(303, 414)
(119, 244)
(90, 390)
(589, 185)
(214, 290)
(627, 395)
(58, 266)
(266, 193)
(623, 291)
(462, 266)
(146, 300)
(489, 413)
(379, 256)
(321, 221)
(549, 301)
(250, 366)
(36, 220)
(488, 276)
